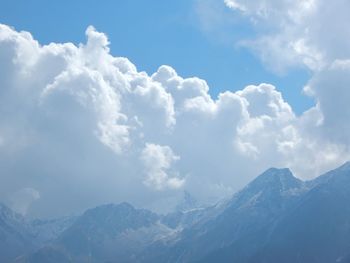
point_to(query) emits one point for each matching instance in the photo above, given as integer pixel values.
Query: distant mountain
(105, 234)
(239, 224)
(275, 218)
(187, 203)
(46, 231)
(15, 236)
(250, 216)
(20, 236)
(294, 222)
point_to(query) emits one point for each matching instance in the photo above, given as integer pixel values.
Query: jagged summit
(187, 203)
(115, 217)
(7, 214)
(269, 189)
(275, 177)
(276, 172)
(111, 209)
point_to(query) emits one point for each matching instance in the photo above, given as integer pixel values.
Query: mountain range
(275, 218)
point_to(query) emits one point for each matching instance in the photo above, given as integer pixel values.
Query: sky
(140, 101)
(196, 37)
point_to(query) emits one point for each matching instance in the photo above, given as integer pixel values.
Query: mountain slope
(108, 233)
(275, 218)
(15, 237)
(245, 219)
(315, 228)
(19, 235)
(318, 229)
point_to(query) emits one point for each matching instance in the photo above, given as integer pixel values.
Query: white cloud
(158, 160)
(330, 86)
(76, 125)
(312, 33)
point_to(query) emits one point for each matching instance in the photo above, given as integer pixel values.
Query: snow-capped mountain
(239, 223)
(275, 218)
(104, 234)
(317, 229)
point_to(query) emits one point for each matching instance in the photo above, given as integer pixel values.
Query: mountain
(239, 224)
(15, 237)
(187, 203)
(312, 224)
(275, 218)
(46, 231)
(318, 228)
(19, 235)
(104, 234)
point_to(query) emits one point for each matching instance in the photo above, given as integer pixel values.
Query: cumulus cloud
(83, 127)
(330, 86)
(158, 160)
(292, 33)
(313, 34)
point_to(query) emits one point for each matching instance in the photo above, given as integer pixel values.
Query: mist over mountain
(275, 218)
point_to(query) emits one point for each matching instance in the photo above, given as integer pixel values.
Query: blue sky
(153, 33)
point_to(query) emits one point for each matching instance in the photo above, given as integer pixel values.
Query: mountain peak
(279, 171)
(273, 182)
(272, 174)
(7, 213)
(107, 221)
(122, 205)
(281, 177)
(187, 203)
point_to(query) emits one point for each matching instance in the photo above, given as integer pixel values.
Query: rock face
(275, 218)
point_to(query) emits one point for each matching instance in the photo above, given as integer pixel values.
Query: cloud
(292, 33)
(312, 34)
(83, 127)
(330, 86)
(158, 160)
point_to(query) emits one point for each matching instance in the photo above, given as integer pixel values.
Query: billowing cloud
(292, 33)
(157, 161)
(312, 34)
(83, 127)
